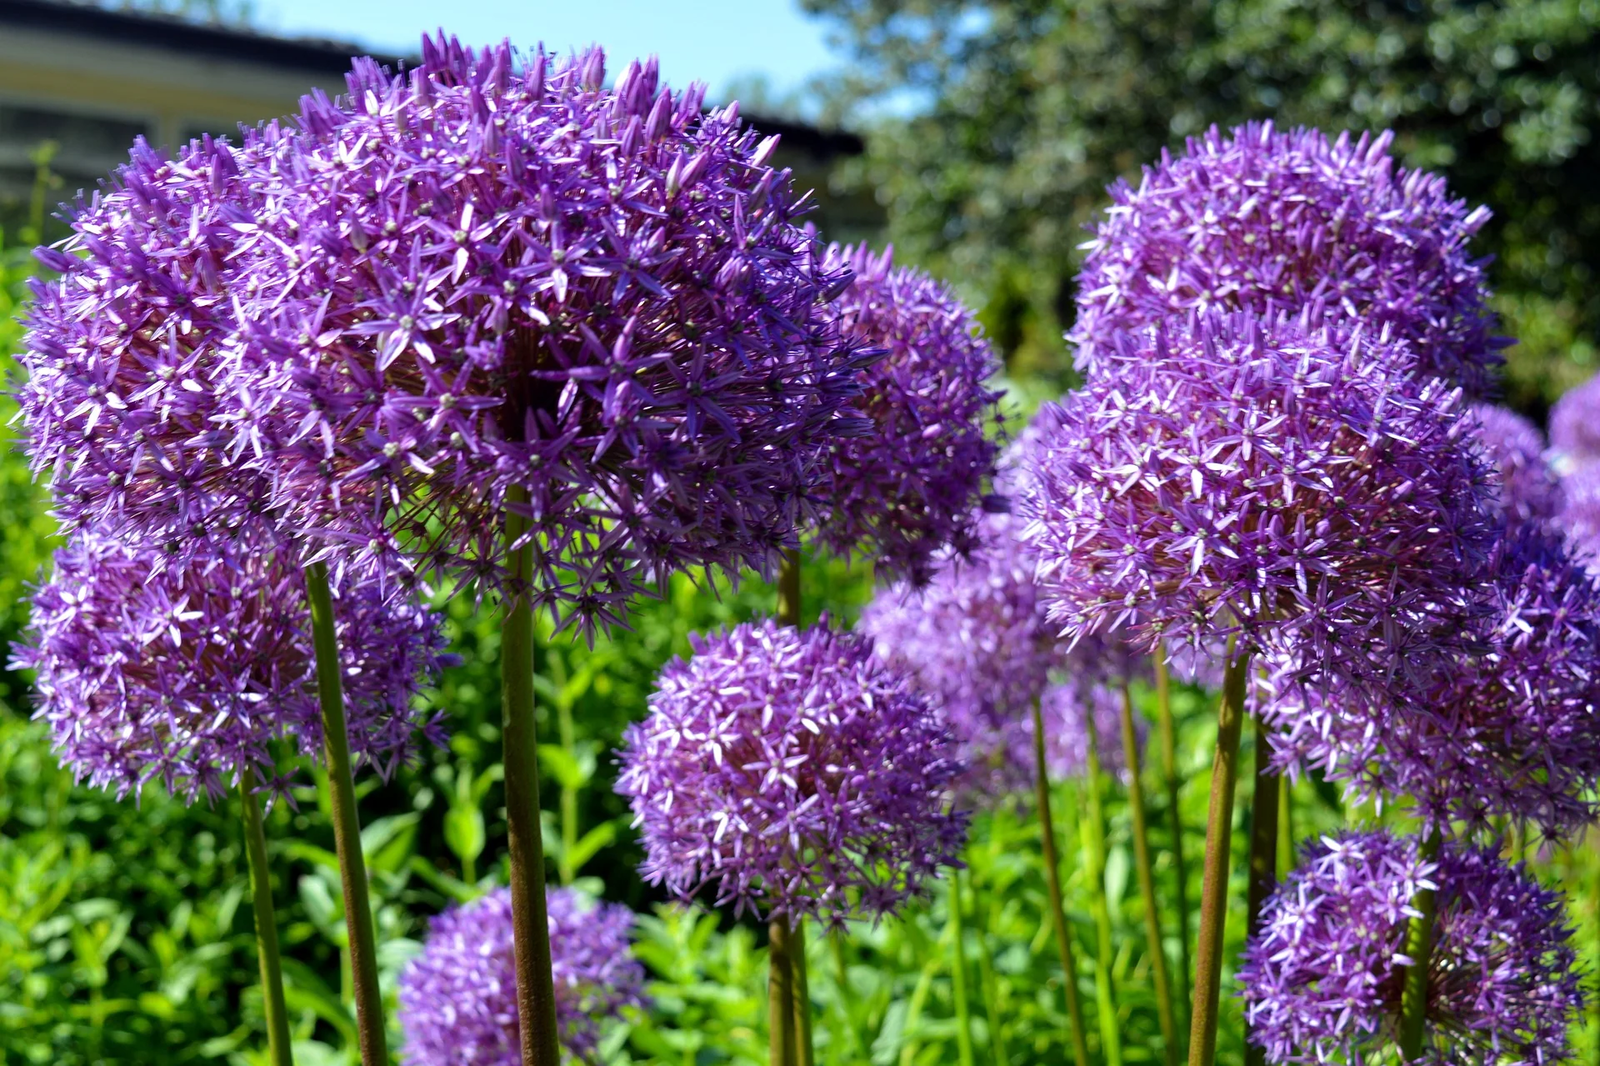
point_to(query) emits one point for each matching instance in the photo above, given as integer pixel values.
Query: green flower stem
(991, 987)
(569, 795)
(1286, 837)
(958, 975)
(1263, 853)
(1169, 772)
(346, 824)
(780, 995)
(1219, 842)
(279, 1051)
(530, 929)
(789, 590)
(1147, 886)
(1058, 917)
(800, 982)
(1419, 948)
(1094, 834)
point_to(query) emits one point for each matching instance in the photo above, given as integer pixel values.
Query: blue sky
(720, 42)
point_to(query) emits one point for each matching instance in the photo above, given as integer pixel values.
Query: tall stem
(1147, 885)
(530, 928)
(805, 1054)
(1058, 917)
(780, 995)
(569, 794)
(1419, 948)
(279, 1052)
(346, 824)
(1094, 833)
(958, 976)
(1285, 826)
(1169, 772)
(1263, 854)
(1219, 842)
(991, 990)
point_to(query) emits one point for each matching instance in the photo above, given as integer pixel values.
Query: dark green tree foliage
(1010, 118)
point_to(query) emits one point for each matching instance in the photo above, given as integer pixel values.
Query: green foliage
(1009, 117)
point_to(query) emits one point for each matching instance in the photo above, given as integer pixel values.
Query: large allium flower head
(1575, 427)
(493, 285)
(1258, 219)
(1277, 479)
(184, 676)
(1529, 489)
(974, 640)
(914, 484)
(1322, 979)
(1505, 728)
(793, 774)
(458, 998)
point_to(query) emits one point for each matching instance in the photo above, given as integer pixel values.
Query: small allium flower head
(794, 774)
(458, 998)
(1277, 479)
(1068, 709)
(1579, 517)
(1259, 219)
(1529, 489)
(185, 675)
(494, 285)
(1505, 728)
(1322, 979)
(1575, 427)
(914, 484)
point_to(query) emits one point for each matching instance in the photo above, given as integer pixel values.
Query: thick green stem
(569, 794)
(805, 1052)
(1263, 854)
(1419, 948)
(346, 824)
(958, 976)
(1058, 916)
(789, 590)
(781, 1046)
(1147, 885)
(1169, 773)
(991, 987)
(279, 1052)
(1219, 844)
(1094, 835)
(530, 928)
(1285, 827)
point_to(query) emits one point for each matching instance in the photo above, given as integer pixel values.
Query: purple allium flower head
(1575, 426)
(794, 773)
(1529, 490)
(185, 675)
(491, 285)
(458, 998)
(975, 640)
(1505, 728)
(914, 484)
(1276, 479)
(1068, 708)
(1262, 220)
(1322, 979)
(1579, 517)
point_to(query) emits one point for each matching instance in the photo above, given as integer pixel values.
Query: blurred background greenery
(989, 131)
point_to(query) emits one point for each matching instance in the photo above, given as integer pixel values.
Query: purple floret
(1505, 728)
(458, 998)
(914, 484)
(1280, 480)
(492, 286)
(186, 675)
(1322, 980)
(1529, 491)
(793, 774)
(1258, 219)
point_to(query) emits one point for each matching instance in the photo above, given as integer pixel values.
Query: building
(90, 80)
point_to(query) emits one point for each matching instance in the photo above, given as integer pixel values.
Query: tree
(1000, 123)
